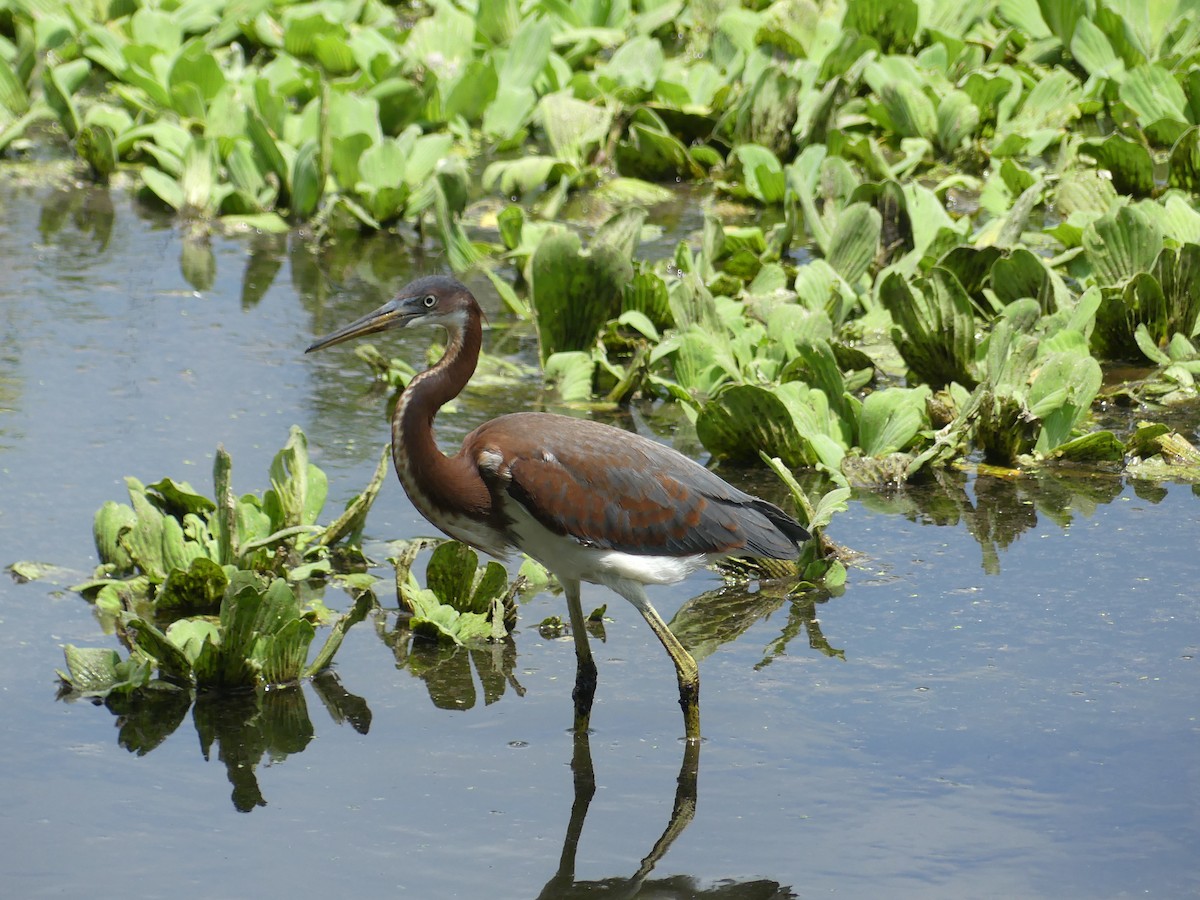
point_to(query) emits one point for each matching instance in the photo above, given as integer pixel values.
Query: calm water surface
(1002, 703)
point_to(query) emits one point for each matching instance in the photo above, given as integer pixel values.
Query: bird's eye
(429, 301)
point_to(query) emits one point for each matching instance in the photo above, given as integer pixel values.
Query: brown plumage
(589, 501)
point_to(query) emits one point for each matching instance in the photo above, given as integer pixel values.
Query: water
(1001, 703)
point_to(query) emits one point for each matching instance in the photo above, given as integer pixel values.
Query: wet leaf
(111, 521)
(935, 328)
(791, 421)
(364, 603)
(298, 488)
(95, 145)
(443, 624)
(25, 570)
(854, 241)
(1098, 446)
(198, 589)
(97, 673)
(574, 293)
(172, 662)
(350, 523)
(763, 176)
(891, 419)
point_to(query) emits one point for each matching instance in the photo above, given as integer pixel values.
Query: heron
(589, 501)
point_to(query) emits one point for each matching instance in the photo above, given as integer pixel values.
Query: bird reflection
(639, 884)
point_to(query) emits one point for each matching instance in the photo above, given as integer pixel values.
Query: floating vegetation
(462, 602)
(925, 232)
(462, 620)
(988, 201)
(199, 591)
(172, 551)
(260, 638)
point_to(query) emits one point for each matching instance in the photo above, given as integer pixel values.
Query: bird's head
(433, 300)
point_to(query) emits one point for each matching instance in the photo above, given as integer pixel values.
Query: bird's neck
(432, 480)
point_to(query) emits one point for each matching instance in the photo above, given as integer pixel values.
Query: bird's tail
(778, 536)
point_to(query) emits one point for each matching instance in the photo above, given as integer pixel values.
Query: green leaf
(571, 373)
(442, 623)
(451, 573)
(95, 145)
(893, 23)
(574, 293)
(280, 657)
(854, 242)
(1152, 92)
(198, 589)
(1099, 446)
(164, 187)
(745, 419)
(909, 111)
(59, 83)
(172, 662)
(196, 65)
(508, 113)
(1061, 396)
(298, 488)
(307, 183)
(1091, 47)
(763, 176)
(957, 120)
(935, 328)
(1183, 168)
(1121, 244)
(196, 638)
(1128, 161)
(517, 177)
(891, 419)
(111, 521)
(14, 99)
(198, 177)
(97, 673)
(573, 128)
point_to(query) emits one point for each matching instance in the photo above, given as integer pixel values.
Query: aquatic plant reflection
(243, 727)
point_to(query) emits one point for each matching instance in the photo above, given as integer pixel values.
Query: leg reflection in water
(563, 883)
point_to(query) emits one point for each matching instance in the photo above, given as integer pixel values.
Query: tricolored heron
(588, 501)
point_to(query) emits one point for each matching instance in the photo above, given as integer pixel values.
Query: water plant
(198, 590)
(172, 550)
(461, 620)
(925, 231)
(260, 637)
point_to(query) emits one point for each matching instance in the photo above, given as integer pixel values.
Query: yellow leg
(585, 666)
(685, 667)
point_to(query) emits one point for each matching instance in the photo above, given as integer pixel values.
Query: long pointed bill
(393, 314)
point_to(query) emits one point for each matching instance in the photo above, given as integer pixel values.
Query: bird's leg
(585, 666)
(685, 667)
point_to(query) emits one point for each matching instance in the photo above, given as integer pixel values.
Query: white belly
(569, 559)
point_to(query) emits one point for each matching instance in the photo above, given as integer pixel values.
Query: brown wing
(616, 490)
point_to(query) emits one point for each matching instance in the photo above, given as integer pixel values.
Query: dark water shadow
(241, 728)
(563, 883)
(720, 616)
(446, 670)
(998, 506)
